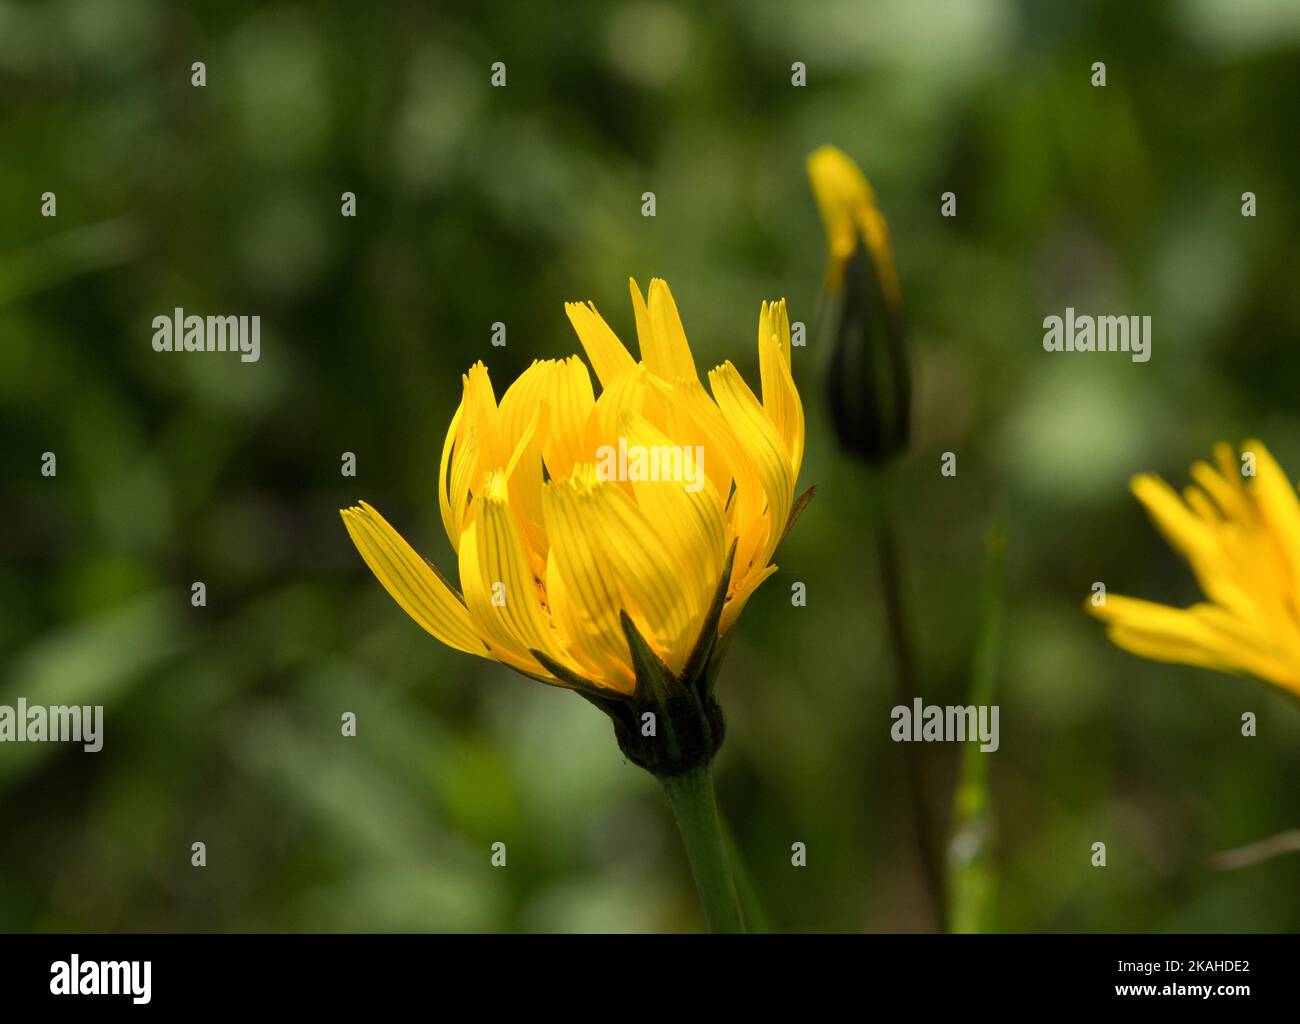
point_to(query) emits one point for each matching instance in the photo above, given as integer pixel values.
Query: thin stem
(1255, 853)
(691, 797)
(973, 875)
(906, 686)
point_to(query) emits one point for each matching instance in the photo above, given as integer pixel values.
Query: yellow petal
(1201, 635)
(410, 581)
(1230, 499)
(780, 396)
(570, 402)
(481, 415)
(736, 603)
(664, 348)
(871, 222)
(764, 447)
(523, 475)
(626, 392)
(472, 447)
(1229, 468)
(609, 357)
(501, 593)
(521, 401)
(1179, 632)
(1185, 531)
(1196, 539)
(644, 332)
(686, 510)
(849, 214)
(465, 462)
(585, 599)
(1199, 502)
(837, 186)
(1278, 508)
(1254, 645)
(635, 564)
(449, 521)
(746, 504)
(666, 405)
(723, 448)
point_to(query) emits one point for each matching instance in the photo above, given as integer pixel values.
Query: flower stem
(691, 797)
(972, 874)
(906, 685)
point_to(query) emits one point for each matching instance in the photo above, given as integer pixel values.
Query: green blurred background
(478, 205)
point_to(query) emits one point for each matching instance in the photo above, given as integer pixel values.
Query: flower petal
(849, 213)
(764, 447)
(634, 563)
(501, 592)
(521, 401)
(664, 348)
(1278, 507)
(609, 357)
(684, 507)
(449, 521)
(1188, 533)
(625, 392)
(740, 597)
(481, 415)
(571, 400)
(410, 580)
(780, 396)
(1202, 635)
(583, 595)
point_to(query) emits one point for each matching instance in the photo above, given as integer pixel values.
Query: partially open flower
(607, 544)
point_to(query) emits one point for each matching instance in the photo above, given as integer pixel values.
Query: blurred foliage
(478, 205)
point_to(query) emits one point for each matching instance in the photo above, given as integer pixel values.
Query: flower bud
(869, 382)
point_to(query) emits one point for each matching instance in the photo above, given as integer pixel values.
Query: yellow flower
(562, 525)
(1241, 536)
(850, 216)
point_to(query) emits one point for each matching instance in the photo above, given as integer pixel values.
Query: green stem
(906, 686)
(973, 876)
(752, 912)
(696, 811)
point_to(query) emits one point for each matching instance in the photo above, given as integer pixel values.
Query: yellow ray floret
(1238, 526)
(569, 510)
(851, 217)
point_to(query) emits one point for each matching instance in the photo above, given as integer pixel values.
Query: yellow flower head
(851, 217)
(569, 511)
(1241, 534)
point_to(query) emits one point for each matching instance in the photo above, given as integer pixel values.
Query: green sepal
(654, 679)
(688, 724)
(704, 644)
(709, 678)
(656, 686)
(569, 680)
(796, 510)
(868, 386)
